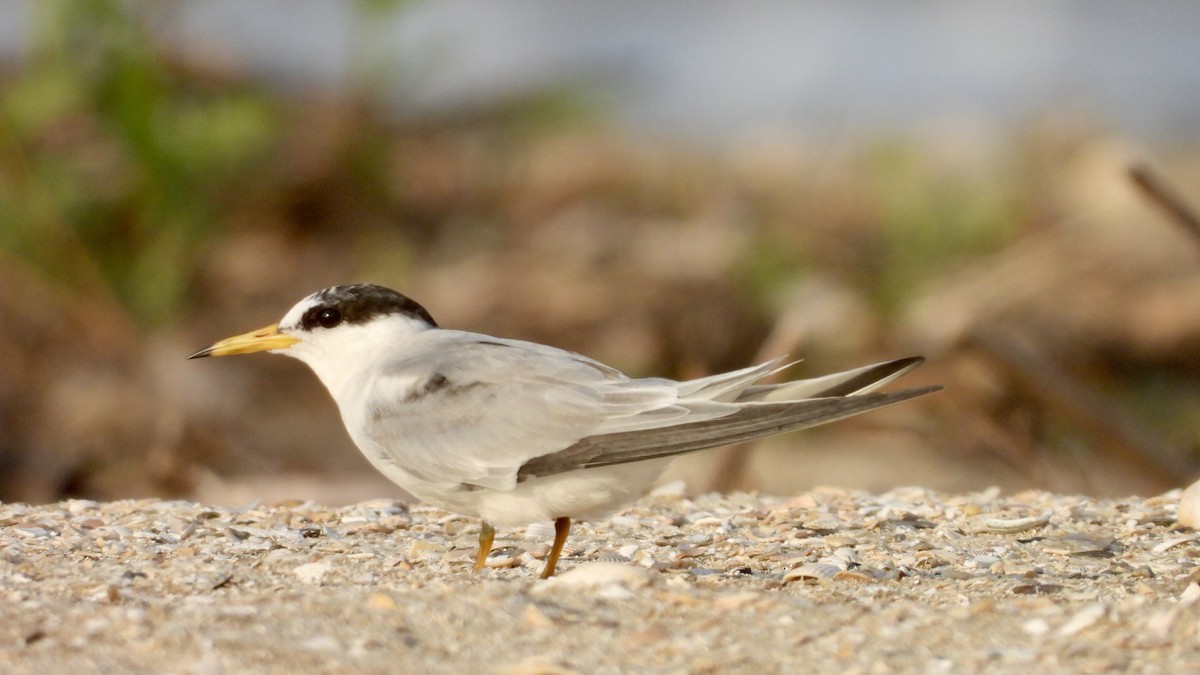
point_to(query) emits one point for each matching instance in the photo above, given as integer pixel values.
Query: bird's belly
(583, 494)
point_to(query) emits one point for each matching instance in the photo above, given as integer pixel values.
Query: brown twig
(1056, 391)
(1155, 188)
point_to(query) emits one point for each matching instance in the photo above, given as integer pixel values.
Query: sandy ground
(828, 581)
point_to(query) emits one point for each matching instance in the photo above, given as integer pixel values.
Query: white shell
(597, 577)
(1189, 506)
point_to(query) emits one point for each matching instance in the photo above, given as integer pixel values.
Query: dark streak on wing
(752, 421)
(435, 382)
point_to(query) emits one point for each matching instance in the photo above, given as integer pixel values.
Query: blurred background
(675, 189)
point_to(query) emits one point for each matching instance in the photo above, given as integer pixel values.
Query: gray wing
(752, 421)
(472, 409)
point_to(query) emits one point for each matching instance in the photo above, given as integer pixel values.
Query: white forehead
(293, 316)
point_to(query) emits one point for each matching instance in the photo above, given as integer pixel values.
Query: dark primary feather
(752, 421)
(838, 384)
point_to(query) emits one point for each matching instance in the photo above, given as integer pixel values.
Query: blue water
(715, 70)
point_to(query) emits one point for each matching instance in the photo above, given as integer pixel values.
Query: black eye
(329, 317)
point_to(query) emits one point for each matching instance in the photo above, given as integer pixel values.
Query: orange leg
(562, 527)
(487, 534)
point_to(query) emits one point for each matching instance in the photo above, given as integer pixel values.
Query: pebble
(597, 577)
(1188, 510)
(312, 573)
(1082, 619)
(812, 571)
(1013, 525)
(626, 522)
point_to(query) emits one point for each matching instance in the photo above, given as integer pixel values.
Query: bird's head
(334, 327)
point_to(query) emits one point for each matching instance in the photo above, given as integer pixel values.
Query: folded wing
(490, 412)
(753, 420)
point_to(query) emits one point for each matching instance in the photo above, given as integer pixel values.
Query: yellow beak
(248, 343)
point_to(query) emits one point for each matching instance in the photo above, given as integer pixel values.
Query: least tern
(516, 432)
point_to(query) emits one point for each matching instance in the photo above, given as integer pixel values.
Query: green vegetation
(114, 162)
(933, 219)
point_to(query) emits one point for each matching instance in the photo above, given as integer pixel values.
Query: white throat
(343, 356)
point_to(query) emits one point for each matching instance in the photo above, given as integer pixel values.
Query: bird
(514, 432)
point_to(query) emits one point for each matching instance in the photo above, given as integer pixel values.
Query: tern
(515, 432)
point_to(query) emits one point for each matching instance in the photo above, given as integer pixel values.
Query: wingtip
(907, 363)
(887, 398)
(928, 389)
